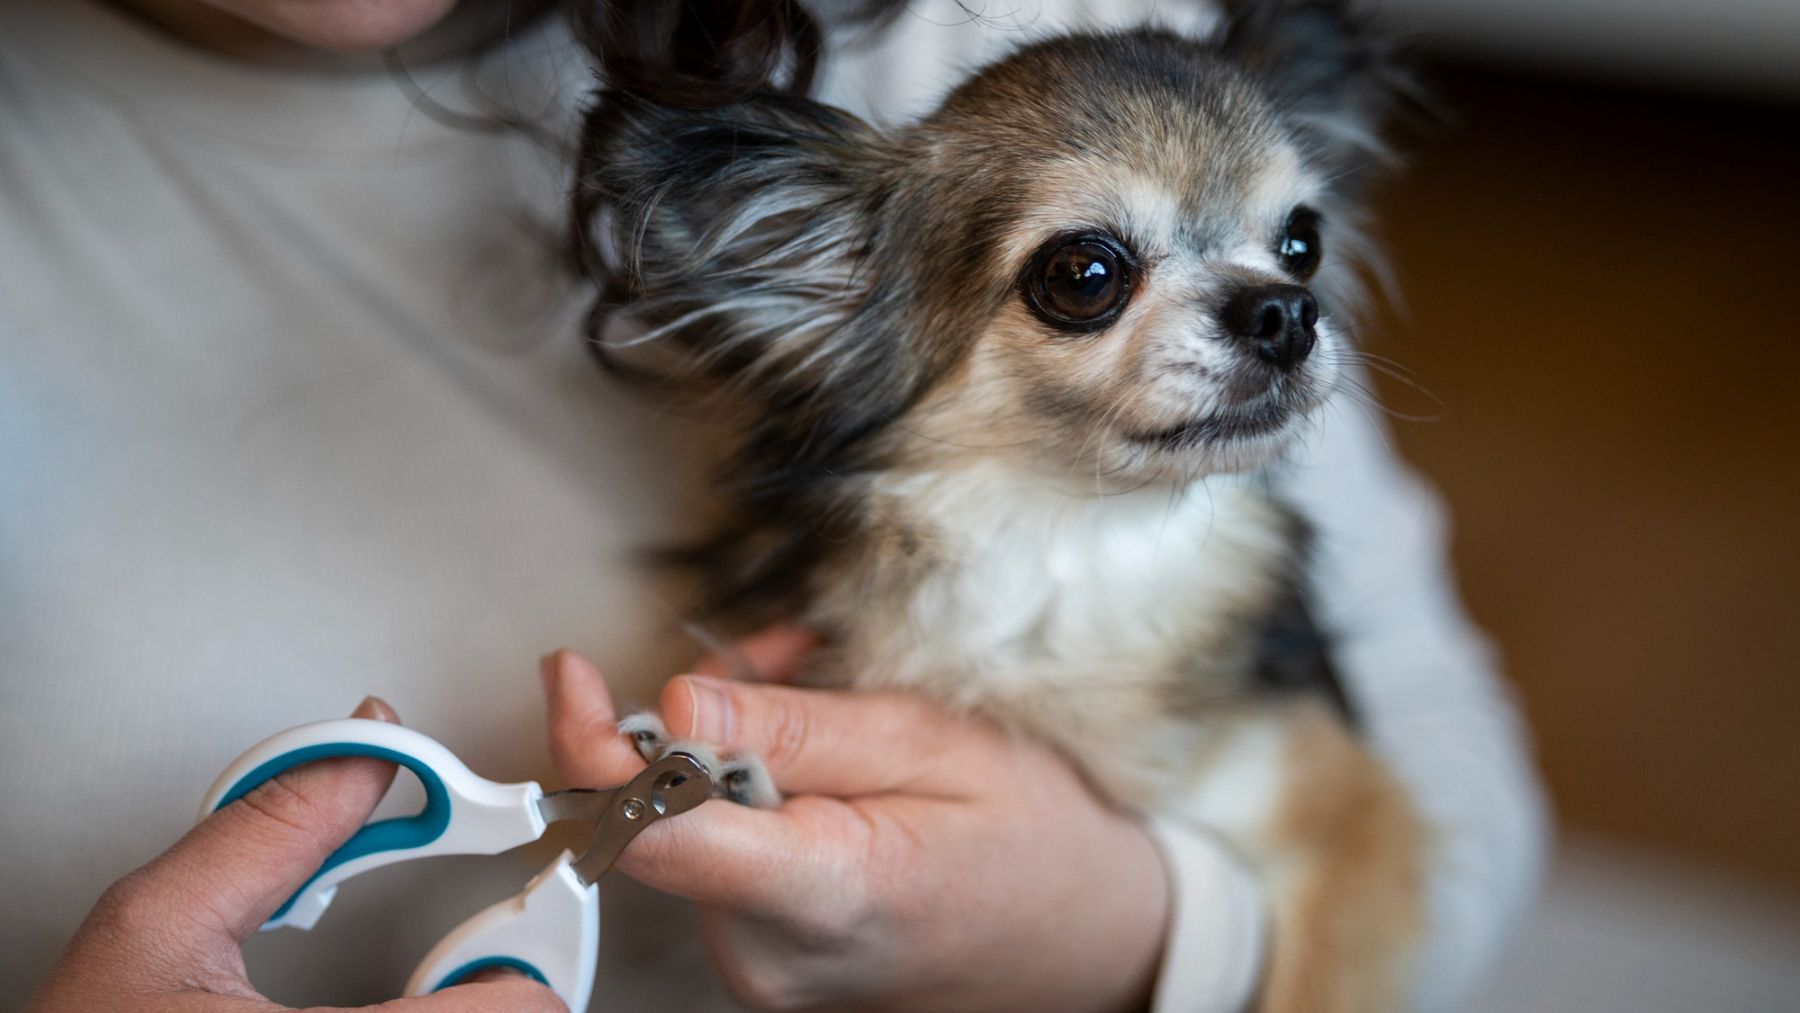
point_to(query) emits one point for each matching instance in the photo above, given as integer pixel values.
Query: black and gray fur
(789, 261)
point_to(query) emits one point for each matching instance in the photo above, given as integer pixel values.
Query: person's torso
(293, 408)
(291, 413)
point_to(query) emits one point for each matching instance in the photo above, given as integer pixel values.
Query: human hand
(165, 939)
(921, 860)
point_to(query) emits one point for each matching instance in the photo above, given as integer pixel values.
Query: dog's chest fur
(1111, 625)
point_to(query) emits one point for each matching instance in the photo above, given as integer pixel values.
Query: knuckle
(848, 906)
(770, 966)
(922, 724)
(765, 984)
(789, 731)
(284, 810)
(217, 981)
(841, 919)
(125, 905)
(132, 924)
(899, 851)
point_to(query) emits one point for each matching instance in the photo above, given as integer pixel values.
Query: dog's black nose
(1274, 321)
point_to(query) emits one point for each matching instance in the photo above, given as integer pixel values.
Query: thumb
(834, 742)
(233, 870)
(487, 992)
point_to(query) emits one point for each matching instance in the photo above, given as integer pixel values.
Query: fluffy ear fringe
(732, 249)
(732, 236)
(1334, 73)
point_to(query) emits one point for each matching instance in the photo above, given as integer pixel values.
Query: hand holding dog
(921, 860)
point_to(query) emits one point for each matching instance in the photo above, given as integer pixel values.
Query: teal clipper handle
(464, 814)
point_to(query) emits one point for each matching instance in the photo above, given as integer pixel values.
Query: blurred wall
(1599, 285)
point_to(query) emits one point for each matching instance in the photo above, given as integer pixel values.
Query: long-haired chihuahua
(1008, 385)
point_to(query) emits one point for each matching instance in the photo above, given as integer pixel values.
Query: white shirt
(292, 410)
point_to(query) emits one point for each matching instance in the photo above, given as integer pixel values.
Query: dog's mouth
(1261, 419)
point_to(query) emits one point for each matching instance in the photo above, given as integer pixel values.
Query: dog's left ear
(736, 234)
(743, 241)
(1332, 73)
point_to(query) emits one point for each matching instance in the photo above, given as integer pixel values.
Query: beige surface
(1622, 932)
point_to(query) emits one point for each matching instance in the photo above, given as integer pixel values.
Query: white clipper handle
(464, 814)
(534, 933)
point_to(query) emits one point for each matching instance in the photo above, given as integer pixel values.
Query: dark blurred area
(1595, 271)
(1598, 284)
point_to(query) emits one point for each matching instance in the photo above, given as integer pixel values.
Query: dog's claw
(744, 780)
(647, 734)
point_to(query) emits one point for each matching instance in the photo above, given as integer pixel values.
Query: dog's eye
(1300, 249)
(1078, 283)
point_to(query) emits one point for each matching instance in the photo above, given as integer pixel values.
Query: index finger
(584, 725)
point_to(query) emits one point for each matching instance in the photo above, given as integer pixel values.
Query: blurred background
(1596, 264)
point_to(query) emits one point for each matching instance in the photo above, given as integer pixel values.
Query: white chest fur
(991, 583)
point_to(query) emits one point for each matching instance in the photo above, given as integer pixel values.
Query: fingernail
(711, 716)
(375, 709)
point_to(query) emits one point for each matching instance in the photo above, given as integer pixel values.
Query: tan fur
(1351, 905)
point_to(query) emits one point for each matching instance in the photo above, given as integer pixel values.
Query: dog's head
(1115, 255)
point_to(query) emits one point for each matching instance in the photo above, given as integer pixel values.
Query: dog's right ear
(734, 238)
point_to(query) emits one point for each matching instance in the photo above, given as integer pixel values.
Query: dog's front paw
(744, 780)
(740, 778)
